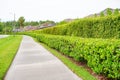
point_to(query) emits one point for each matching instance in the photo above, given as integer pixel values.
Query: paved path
(2, 36)
(33, 62)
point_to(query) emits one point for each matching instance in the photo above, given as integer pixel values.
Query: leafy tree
(109, 12)
(116, 12)
(21, 21)
(101, 14)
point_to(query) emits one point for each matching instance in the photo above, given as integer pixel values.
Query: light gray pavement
(3, 36)
(33, 62)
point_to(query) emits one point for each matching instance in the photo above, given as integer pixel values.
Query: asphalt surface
(33, 62)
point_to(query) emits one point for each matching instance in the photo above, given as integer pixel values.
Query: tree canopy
(21, 21)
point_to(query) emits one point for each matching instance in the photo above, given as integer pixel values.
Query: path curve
(33, 62)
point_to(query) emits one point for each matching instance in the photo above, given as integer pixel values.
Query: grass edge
(13, 57)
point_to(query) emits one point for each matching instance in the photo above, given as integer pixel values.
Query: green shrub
(99, 27)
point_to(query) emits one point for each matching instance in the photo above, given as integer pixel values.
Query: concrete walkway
(3, 36)
(33, 62)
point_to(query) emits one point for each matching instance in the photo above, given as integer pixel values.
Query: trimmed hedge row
(99, 27)
(101, 55)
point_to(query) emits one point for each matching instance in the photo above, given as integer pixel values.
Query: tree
(101, 14)
(21, 21)
(109, 12)
(116, 12)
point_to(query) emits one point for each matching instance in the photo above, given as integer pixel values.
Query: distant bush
(99, 27)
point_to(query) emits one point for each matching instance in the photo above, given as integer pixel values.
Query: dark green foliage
(1, 27)
(47, 21)
(99, 27)
(7, 27)
(32, 23)
(101, 55)
(109, 12)
(101, 14)
(37, 23)
(116, 12)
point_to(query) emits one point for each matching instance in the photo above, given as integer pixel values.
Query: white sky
(56, 10)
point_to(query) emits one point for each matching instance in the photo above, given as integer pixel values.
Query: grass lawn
(80, 71)
(8, 49)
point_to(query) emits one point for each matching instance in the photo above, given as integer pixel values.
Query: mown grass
(8, 49)
(79, 70)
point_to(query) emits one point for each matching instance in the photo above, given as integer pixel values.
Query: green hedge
(99, 27)
(101, 55)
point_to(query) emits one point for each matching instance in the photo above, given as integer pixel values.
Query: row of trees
(9, 25)
(20, 23)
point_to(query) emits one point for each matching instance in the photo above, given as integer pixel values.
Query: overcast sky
(56, 10)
